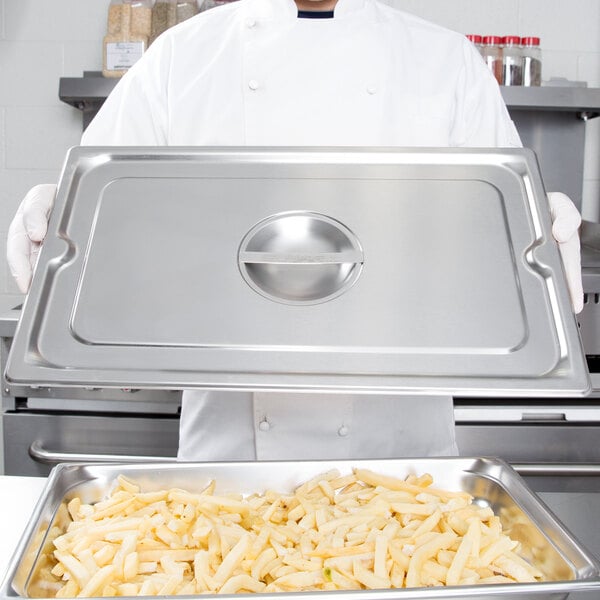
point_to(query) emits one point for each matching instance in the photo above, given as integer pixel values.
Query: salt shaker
(492, 55)
(512, 61)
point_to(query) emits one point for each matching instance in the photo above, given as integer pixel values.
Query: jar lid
(511, 40)
(492, 39)
(530, 41)
(476, 39)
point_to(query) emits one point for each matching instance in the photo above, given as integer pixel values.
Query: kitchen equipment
(380, 270)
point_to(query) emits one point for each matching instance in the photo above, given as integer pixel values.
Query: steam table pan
(419, 271)
(565, 564)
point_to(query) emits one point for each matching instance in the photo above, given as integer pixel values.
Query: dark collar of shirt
(315, 14)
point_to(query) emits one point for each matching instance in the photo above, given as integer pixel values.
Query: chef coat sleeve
(135, 112)
(481, 118)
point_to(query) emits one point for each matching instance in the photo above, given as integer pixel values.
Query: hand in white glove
(565, 229)
(27, 232)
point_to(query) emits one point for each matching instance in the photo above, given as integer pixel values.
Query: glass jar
(491, 50)
(532, 61)
(512, 61)
(126, 36)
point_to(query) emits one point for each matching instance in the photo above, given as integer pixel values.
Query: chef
(304, 73)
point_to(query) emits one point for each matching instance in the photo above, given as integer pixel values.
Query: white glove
(27, 232)
(565, 229)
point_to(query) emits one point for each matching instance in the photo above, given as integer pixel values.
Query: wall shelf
(87, 93)
(583, 101)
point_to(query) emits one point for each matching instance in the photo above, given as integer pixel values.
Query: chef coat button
(253, 84)
(250, 23)
(264, 425)
(343, 431)
(371, 89)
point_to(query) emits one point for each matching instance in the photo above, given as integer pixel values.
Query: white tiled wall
(40, 41)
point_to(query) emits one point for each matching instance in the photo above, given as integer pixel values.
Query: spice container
(491, 50)
(532, 61)
(512, 61)
(141, 16)
(185, 10)
(164, 15)
(127, 33)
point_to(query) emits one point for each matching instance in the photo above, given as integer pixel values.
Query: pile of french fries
(335, 532)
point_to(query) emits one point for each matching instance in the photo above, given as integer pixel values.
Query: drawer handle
(49, 457)
(558, 469)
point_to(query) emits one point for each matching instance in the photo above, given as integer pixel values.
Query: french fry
(427, 550)
(242, 582)
(459, 562)
(97, 582)
(232, 560)
(367, 578)
(299, 580)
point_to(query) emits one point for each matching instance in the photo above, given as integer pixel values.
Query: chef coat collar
(287, 9)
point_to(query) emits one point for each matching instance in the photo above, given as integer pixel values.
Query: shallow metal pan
(567, 565)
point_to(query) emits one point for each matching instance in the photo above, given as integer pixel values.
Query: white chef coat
(244, 426)
(253, 73)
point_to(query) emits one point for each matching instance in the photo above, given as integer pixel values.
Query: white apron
(271, 426)
(252, 73)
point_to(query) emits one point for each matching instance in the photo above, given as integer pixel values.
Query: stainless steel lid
(379, 270)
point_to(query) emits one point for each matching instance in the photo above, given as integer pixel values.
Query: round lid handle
(300, 257)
